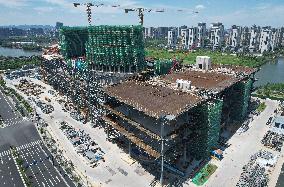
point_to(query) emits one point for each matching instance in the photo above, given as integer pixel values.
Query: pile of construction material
(255, 172)
(29, 88)
(273, 140)
(45, 108)
(83, 144)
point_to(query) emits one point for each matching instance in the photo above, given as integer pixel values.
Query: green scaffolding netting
(162, 66)
(73, 41)
(105, 45)
(207, 128)
(238, 100)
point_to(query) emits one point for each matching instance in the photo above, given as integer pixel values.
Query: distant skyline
(229, 12)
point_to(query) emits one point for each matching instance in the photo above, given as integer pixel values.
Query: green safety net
(73, 41)
(162, 66)
(203, 175)
(105, 45)
(238, 99)
(207, 128)
(116, 46)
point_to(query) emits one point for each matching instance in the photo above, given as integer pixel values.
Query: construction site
(168, 117)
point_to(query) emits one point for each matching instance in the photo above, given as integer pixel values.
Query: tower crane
(88, 9)
(141, 12)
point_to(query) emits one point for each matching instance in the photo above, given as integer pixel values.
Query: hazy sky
(229, 12)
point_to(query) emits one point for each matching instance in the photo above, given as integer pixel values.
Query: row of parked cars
(83, 144)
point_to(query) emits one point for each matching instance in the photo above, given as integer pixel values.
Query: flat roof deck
(206, 80)
(153, 100)
(237, 69)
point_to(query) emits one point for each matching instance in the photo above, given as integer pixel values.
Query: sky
(229, 12)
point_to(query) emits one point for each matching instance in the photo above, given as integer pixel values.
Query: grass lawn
(261, 107)
(203, 175)
(272, 91)
(216, 57)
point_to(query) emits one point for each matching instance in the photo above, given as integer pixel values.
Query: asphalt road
(22, 134)
(280, 181)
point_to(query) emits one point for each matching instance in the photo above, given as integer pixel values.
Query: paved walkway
(242, 147)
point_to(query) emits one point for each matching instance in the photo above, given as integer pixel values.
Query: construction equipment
(88, 9)
(141, 12)
(175, 65)
(217, 154)
(47, 99)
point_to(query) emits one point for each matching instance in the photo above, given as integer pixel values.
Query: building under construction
(163, 120)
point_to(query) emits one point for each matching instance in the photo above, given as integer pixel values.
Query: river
(272, 72)
(17, 52)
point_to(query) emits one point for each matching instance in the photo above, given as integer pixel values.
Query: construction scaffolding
(162, 66)
(73, 41)
(237, 100)
(106, 48)
(205, 128)
(116, 48)
(101, 75)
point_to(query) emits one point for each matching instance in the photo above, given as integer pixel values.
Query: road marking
(22, 153)
(11, 122)
(37, 152)
(25, 146)
(51, 182)
(19, 170)
(57, 170)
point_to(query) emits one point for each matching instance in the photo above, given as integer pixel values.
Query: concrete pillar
(162, 151)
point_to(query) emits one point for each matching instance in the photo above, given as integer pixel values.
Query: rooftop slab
(153, 100)
(203, 80)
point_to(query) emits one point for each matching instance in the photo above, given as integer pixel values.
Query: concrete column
(129, 146)
(162, 151)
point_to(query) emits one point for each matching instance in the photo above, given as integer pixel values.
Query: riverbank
(271, 72)
(18, 62)
(271, 91)
(14, 52)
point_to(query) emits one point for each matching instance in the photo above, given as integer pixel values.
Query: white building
(245, 37)
(184, 38)
(265, 39)
(179, 30)
(254, 39)
(235, 37)
(216, 35)
(192, 37)
(149, 32)
(201, 34)
(275, 39)
(172, 38)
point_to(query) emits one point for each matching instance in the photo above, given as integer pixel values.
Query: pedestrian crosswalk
(21, 147)
(5, 153)
(10, 122)
(31, 144)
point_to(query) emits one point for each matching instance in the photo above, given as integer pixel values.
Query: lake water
(272, 72)
(17, 52)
